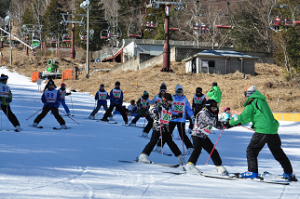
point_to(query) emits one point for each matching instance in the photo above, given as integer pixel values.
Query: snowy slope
(82, 162)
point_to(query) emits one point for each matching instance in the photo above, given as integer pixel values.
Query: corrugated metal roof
(221, 53)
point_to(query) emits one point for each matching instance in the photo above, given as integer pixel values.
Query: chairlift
(174, 23)
(104, 34)
(51, 38)
(83, 35)
(296, 22)
(197, 25)
(134, 31)
(65, 35)
(278, 24)
(114, 32)
(228, 24)
(151, 21)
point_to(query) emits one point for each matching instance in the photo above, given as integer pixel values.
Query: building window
(211, 64)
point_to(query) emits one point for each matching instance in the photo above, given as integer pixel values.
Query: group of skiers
(171, 111)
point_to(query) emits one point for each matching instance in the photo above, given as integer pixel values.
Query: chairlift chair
(65, 35)
(104, 34)
(150, 22)
(224, 25)
(51, 38)
(114, 32)
(83, 35)
(134, 32)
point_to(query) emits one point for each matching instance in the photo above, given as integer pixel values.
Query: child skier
(101, 96)
(226, 115)
(5, 99)
(116, 100)
(51, 100)
(180, 105)
(63, 93)
(205, 120)
(161, 114)
(199, 101)
(266, 126)
(132, 108)
(143, 107)
(157, 98)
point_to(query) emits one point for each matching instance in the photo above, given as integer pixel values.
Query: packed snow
(82, 162)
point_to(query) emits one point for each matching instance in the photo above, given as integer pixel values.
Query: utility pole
(166, 49)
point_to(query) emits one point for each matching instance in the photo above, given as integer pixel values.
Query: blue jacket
(50, 104)
(99, 101)
(187, 108)
(116, 98)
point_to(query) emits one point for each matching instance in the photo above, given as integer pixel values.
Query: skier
(157, 98)
(162, 114)
(215, 93)
(132, 108)
(226, 115)
(199, 101)
(5, 100)
(51, 100)
(101, 96)
(63, 93)
(205, 120)
(180, 105)
(266, 126)
(116, 100)
(143, 107)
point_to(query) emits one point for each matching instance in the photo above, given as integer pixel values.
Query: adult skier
(204, 122)
(5, 100)
(162, 115)
(143, 109)
(116, 100)
(180, 105)
(266, 126)
(63, 93)
(51, 100)
(157, 98)
(101, 96)
(215, 93)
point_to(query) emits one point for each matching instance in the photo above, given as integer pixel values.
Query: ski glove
(56, 105)
(226, 124)
(8, 100)
(69, 93)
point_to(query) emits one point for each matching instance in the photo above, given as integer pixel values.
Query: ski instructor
(266, 126)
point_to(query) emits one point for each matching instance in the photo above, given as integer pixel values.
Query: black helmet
(101, 85)
(168, 97)
(214, 84)
(199, 89)
(211, 103)
(163, 86)
(132, 102)
(4, 77)
(117, 83)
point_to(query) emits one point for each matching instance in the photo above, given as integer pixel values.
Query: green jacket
(215, 94)
(259, 113)
(4, 100)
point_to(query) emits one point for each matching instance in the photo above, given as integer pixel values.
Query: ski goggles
(162, 90)
(213, 104)
(179, 91)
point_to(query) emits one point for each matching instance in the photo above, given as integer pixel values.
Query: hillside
(282, 96)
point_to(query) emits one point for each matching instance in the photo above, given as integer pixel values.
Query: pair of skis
(54, 128)
(230, 176)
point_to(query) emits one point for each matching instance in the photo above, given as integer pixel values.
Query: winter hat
(250, 91)
(214, 84)
(117, 83)
(168, 97)
(163, 86)
(199, 88)
(226, 108)
(101, 85)
(146, 93)
(62, 85)
(50, 82)
(178, 89)
(4, 77)
(132, 102)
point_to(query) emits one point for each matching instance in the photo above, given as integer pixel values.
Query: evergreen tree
(27, 18)
(52, 19)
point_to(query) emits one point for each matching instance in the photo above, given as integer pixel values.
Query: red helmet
(62, 85)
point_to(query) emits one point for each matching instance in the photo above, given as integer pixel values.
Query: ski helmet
(117, 83)
(209, 104)
(250, 91)
(62, 85)
(4, 77)
(226, 108)
(132, 102)
(50, 82)
(163, 86)
(145, 95)
(199, 89)
(179, 89)
(167, 97)
(101, 85)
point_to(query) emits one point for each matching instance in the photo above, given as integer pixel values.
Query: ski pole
(69, 117)
(27, 118)
(182, 138)
(72, 104)
(1, 120)
(247, 128)
(161, 138)
(214, 146)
